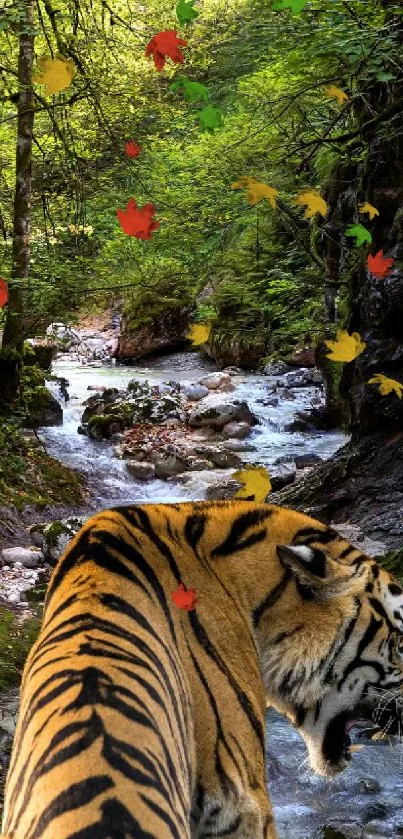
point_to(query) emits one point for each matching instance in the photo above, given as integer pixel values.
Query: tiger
(167, 631)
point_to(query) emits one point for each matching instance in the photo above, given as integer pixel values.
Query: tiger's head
(333, 652)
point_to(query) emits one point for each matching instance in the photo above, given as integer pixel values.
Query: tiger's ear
(324, 576)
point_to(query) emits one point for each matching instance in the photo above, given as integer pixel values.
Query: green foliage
(16, 640)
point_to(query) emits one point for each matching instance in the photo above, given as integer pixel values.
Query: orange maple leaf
(136, 222)
(132, 149)
(165, 44)
(3, 292)
(380, 265)
(184, 598)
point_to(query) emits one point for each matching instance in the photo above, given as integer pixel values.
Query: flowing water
(370, 791)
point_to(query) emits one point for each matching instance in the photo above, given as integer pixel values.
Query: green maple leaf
(192, 91)
(295, 6)
(210, 118)
(360, 232)
(185, 11)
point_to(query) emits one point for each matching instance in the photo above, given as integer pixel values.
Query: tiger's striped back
(141, 719)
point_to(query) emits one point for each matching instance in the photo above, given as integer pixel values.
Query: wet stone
(376, 830)
(370, 786)
(377, 810)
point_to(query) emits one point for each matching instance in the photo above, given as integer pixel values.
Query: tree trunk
(364, 481)
(13, 336)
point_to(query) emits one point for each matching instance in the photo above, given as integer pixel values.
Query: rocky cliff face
(167, 332)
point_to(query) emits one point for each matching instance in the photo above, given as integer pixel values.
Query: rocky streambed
(174, 428)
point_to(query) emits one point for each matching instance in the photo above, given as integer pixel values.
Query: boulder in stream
(219, 413)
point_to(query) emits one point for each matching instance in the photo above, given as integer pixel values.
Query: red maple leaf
(165, 44)
(379, 265)
(3, 292)
(132, 149)
(184, 599)
(136, 222)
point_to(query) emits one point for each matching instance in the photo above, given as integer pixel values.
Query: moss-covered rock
(144, 403)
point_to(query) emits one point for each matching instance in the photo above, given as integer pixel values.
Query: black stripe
(194, 529)
(212, 652)
(347, 552)
(233, 542)
(116, 822)
(235, 824)
(75, 556)
(272, 597)
(287, 634)
(306, 535)
(72, 798)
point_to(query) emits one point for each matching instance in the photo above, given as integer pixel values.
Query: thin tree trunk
(13, 337)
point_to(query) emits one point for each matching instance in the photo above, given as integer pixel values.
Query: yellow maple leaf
(336, 93)
(256, 191)
(314, 202)
(368, 208)
(386, 385)
(346, 348)
(56, 73)
(199, 333)
(256, 481)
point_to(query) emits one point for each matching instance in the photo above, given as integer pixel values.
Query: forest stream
(366, 801)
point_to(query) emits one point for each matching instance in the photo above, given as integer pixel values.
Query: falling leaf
(165, 44)
(256, 481)
(346, 348)
(386, 385)
(380, 265)
(336, 93)
(256, 191)
(56, 73)
(361, 234)
(295, 6)
(132, 149)
(184, 598)
(210, 118)
(185, 11)
(136, 222)
(193, 91)
(368, 208)
(199, 333)
(3, 292)
(314, 202)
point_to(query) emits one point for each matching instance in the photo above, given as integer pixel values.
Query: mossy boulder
(143, 403)
(56, 536)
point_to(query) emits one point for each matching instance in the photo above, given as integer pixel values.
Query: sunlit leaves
(256, 191)
(346, 347)
(386, 385)
(165, 45)
(360, 234)
(313, 201)
(56, 73)
(256, 483)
